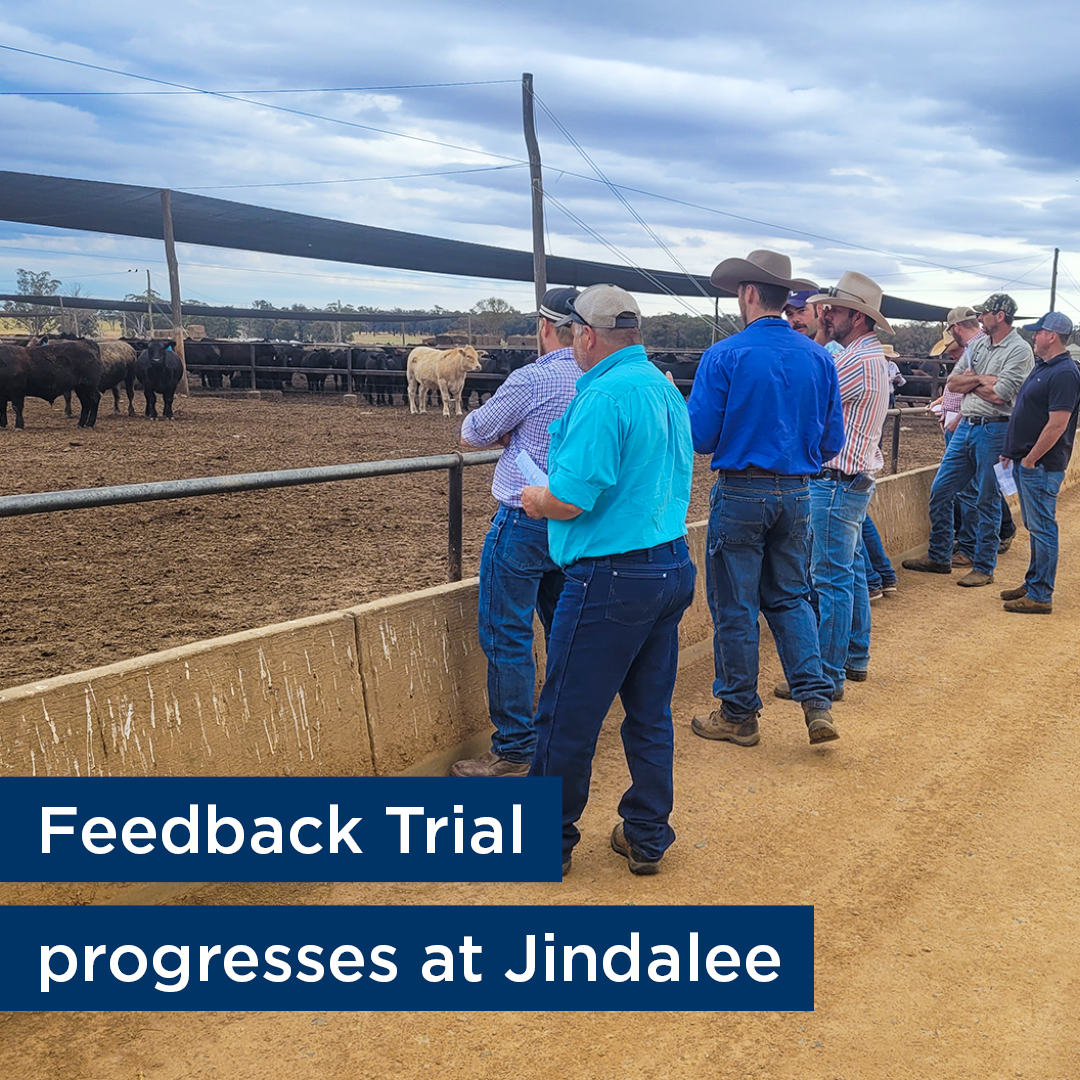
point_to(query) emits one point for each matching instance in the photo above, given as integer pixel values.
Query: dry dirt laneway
(937, 841)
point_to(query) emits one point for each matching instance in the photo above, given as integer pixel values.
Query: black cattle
(118, 368)
(338, 360)
(238, 359)
(918, 377)
(384, 374)
(117, 363)
(48, 372)
(159, 370)
(204, 357)
(680, 369)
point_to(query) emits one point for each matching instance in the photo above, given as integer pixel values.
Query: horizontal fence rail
(47, 502)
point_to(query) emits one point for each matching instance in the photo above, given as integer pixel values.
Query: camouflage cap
(1000, 301)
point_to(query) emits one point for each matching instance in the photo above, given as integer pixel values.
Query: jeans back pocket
(636, 597)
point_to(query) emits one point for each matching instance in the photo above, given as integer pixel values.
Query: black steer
(159, 370)
(49, 372)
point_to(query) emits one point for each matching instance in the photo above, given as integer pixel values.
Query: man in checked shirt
(517, 575)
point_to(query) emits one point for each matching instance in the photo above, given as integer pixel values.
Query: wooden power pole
(537, 182)
(1053, 282)
(174, 284)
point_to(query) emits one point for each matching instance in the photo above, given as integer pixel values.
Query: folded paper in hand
(530, 470)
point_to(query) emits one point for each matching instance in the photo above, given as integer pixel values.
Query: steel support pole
(895, 442)
(455, 516)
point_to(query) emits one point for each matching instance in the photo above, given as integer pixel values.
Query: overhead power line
(263, 104)
(353, 180)
(295, 90)
(618, 194)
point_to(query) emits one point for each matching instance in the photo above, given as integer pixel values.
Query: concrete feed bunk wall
(392, 686)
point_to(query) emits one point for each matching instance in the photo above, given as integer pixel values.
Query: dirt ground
(937, 841)
(89, 587)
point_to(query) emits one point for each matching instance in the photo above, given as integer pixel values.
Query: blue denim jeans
(616, 632)
(879, 571)
(759, 561)
(1038, 491)
(517, 577)
(970, 456)
(837, 510)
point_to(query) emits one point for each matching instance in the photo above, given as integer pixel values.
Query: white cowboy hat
(765, 267)
(858, 292)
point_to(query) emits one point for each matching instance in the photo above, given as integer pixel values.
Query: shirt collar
(862, 342)
(555, 354)
(1053, 359)
(1008, 339)
(631, 352)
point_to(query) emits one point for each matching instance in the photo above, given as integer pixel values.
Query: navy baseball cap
(556, 304)
(1055, 321)
(798, 299)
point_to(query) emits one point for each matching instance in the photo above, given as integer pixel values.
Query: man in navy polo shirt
(618, 491)
(766, 406)
(1040, 437)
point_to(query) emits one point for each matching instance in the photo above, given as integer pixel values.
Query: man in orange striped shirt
(840, 495)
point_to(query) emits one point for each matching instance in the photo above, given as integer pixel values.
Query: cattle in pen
(442, 369)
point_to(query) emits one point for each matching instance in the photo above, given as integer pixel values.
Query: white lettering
(49, 830)
(753, 962)
(404, 813)
(338, 834)
(294, 835)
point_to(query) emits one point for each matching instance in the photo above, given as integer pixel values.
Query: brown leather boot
(974, 578)
(489, 765)
(1026, 606)
(927, 566)
(717, 726)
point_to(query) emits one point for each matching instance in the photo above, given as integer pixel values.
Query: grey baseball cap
(1055, 321)
(604, 307)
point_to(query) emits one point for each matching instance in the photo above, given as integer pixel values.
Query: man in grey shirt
(997, 364)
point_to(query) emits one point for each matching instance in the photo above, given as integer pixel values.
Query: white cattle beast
(443, 368)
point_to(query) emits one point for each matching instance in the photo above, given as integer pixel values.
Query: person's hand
(532, 499)
(1029, 462)
(1005, 463)
(670, 378)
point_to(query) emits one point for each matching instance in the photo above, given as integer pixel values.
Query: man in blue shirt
(766, 406)
(1039, 440)
(618, 492)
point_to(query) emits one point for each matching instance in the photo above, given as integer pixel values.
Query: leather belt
(836, 474)
(754, 473)
(977, 420)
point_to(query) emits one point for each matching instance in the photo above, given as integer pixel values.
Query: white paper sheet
(1005, 479)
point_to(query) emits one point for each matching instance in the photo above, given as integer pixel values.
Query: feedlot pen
(90, 587)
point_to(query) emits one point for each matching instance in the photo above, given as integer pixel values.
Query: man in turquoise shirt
(618, 492)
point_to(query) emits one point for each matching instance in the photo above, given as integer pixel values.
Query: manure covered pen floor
(90, 587)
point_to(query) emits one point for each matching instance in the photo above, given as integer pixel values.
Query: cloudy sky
(933, 146)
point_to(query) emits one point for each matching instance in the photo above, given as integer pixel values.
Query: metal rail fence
(85, 498)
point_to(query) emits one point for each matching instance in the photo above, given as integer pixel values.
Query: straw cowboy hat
(764, 267)
(958, 314)
(858, 292)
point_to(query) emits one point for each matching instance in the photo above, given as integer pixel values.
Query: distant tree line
(492, 317)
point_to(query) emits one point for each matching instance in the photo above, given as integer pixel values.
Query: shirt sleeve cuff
(569, 489)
